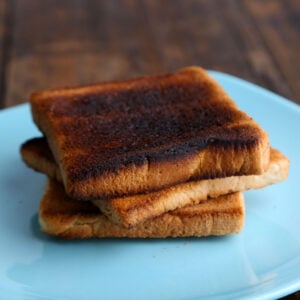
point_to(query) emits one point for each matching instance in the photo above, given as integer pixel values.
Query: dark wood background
(50, 43)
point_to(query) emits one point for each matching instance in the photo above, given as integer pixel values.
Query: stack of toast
(158, 156)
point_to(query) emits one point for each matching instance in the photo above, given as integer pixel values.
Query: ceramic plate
(262, 262)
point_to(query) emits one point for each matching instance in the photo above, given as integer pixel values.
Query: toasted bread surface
(145, 134)
(131, 210)
(38, 156)
(61, 216)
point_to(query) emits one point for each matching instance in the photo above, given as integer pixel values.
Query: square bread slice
(131, 210)
(145, 134)
(62, 216)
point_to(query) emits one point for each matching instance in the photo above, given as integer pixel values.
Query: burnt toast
(141, 135)
(131, 210)
(59, 215)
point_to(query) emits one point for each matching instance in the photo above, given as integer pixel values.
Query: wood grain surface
(54, 43)
(51, 43)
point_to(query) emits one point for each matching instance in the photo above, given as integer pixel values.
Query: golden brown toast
(131, 210)
(61, 216)
(145, 134)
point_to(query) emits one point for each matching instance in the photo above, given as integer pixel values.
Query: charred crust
(107, 128)
(239, 138)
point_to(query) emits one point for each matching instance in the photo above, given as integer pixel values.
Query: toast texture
(132, 210)
(62, 216)
(141, 135)
(37, 155)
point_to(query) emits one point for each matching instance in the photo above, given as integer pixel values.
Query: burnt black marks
(147, 130)
(159, 120)
(100, 163)
(130, 100)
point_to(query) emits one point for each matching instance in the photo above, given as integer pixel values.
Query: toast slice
(62, 216)
(141, 135)
(131, 210)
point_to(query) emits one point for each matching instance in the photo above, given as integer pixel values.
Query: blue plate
(262, 262)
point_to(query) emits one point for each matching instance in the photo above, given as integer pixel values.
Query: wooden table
(48, 43)
(57, 43)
